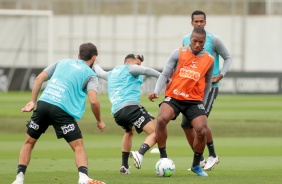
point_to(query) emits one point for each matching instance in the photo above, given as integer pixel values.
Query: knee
(162, 121)
(201, 132)
(130, 134)
(30, 142)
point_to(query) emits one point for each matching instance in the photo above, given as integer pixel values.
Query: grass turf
(242, 160)
(246, 129)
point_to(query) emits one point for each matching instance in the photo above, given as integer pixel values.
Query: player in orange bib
(191, 68)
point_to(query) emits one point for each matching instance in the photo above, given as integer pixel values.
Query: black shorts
(190, 109)
(47, 114)
(211, 99)
(133, 115)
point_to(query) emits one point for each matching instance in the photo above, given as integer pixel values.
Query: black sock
(202, 158)
(211, 149)
(125, 156)
(83, 169)
(143, 149)
(197, 158)
(21, 168)
(163, 152)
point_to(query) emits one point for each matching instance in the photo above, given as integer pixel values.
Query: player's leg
(25, 153)
(126, 147)
(200, 125)
(24, 158)
(144, 122)
(66, 127)
(196, 115)
(150, 140)
(123, 118)
(165, 114)
(35, 127)
(149, 128)
(81, 159)
(79, 153)
(213, 158)
(190, 135)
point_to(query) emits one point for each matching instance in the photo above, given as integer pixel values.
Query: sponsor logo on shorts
(33, 125)
(139, 122)
(201, 106)
(167, 99)
(68, 128)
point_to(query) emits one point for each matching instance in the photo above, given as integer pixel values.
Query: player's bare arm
(95, 107)
(43, 76)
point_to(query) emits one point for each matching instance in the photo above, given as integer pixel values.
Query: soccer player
(61, 103)
(216, 48)
(124, 83)
(191, 69)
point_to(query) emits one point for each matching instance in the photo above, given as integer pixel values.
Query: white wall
(255, 43)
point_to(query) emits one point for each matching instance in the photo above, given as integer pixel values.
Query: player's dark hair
(132, 56)
(87, 51)
(199, 30)
(198, 12)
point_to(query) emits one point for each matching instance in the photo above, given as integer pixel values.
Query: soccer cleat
(84, 179)
(123, 170)
(203, 163)
(211, 161)
(19, 179)
(199, 171)
(137, 158)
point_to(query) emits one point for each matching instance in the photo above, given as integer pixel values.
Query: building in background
(37, 33)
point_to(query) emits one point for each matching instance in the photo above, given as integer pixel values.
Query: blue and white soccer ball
(165, 167)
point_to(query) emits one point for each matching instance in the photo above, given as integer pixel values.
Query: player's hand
(101, 126)
(216, 79)
(153, 96)
(28, 107)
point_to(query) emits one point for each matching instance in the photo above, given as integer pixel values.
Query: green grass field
(247, 136)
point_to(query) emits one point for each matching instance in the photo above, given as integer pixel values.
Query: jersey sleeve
(221, 50)
(167, 71)
(50, 69)
(137, 70)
